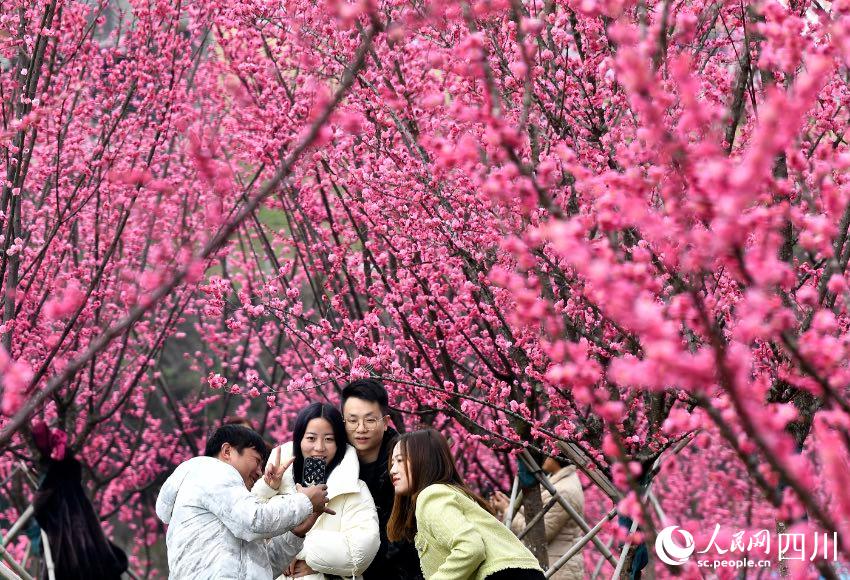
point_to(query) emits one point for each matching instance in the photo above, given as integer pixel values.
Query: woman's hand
(499, 502)
(274, 471)
(299, 569)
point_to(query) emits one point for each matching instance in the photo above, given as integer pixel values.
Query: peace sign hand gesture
(274, 471)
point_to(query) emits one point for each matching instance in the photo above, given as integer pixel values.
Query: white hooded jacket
(218, 529)
(343, 544)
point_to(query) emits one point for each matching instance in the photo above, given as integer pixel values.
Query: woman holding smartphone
(342, 543)
(456, 535)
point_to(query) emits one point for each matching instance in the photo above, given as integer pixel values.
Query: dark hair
(239, 420)
(317, 411)
(429, 460)
(369, 390)
(240, 438)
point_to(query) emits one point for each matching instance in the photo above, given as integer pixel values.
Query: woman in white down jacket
(342, 544)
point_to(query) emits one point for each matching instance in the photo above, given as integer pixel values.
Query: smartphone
(315, 471)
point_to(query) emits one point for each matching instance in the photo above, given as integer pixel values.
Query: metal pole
(655, 504)
(16, 568)
(536, 518)
(10, 476)
(544, 481)
(26, 472)
(581, 461)
(48, 557)
(646, 494)
(509, 514)
(7, 574)
(18, 525)
(623, 553)
(576, 548)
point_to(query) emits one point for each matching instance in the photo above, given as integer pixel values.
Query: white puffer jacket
(218, 529)
(343, 544)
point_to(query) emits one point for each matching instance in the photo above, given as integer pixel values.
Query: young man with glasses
(365, 409)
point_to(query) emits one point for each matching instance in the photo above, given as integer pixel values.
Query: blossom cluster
(615, 224)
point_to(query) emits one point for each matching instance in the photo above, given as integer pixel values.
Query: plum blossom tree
(114, 205)
(617, 224)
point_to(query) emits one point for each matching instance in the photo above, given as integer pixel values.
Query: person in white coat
(217, 528)
(342, 544)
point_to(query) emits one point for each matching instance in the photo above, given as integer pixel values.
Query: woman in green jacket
(455, 533)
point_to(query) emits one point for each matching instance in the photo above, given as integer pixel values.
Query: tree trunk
(625, 573)
(535, 539)
(782, 565)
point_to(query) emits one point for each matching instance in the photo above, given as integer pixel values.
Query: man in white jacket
(217, 528)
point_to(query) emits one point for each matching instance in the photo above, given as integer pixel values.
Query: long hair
(307, 414)
(428, 460)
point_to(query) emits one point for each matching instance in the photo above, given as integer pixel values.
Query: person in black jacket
(365, 409)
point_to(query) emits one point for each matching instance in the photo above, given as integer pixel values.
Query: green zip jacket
(459, 540)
